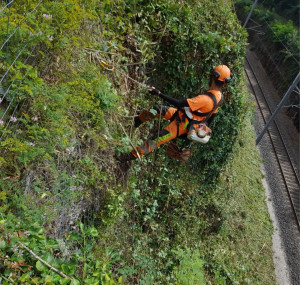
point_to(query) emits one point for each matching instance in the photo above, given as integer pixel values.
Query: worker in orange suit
(188, 116)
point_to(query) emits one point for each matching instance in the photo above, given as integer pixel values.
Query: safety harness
(188, 113)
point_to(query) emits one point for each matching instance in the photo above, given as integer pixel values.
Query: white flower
(13, 119)
(35, 118)
(15, 248)
(46, 16)
(50, 38)
(1, 123)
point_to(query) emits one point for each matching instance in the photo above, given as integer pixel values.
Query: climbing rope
(109, 67)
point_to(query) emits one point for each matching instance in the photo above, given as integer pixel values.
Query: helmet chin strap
(214, 86)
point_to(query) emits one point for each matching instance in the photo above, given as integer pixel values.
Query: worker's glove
(153, 91)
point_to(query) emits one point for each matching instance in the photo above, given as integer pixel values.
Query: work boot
(137, 121)
(125, 157)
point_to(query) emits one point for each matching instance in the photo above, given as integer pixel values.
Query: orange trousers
(165, 135)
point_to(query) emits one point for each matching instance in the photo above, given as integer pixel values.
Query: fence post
(287, 94)
(250, 13)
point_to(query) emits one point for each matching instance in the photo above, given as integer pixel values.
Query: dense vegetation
(287, 9)
(64, 197)
(281, 31)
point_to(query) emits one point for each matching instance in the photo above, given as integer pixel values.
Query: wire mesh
(12, 100)
(14, 50)
(19, 25)
(7, 5)
(11, 65)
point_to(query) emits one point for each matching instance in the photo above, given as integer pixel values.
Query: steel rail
(278, 129)
(279, 161)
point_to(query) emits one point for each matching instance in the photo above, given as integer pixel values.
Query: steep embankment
(63, 194)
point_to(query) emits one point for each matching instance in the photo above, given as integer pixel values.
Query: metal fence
(15, 48)
(280, 60)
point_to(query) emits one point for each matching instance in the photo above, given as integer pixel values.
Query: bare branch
(43, 261)
(130, 141)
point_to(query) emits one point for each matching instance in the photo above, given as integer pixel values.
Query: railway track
(286, 165)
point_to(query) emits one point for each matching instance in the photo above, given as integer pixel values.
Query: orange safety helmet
(222, 73)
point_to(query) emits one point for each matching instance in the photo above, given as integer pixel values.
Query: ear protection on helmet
(215, 72)
(228, 79)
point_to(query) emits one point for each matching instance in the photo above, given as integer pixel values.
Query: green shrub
(130, 223)
(23, 242)
(190, 269)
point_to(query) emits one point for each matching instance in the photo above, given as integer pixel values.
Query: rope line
(7, 5)
(161, 103)
(7, 108)
(8, 38)
(13, 62)
(8, 88)
(7, 29)
(23, 102)
(9, 120)
(111, 68)
(292, 53)
(17, 123)
(13, 99)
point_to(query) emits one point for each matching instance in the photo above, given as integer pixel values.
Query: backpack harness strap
(207, 115)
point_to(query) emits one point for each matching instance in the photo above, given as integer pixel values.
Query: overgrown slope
(62, 192)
